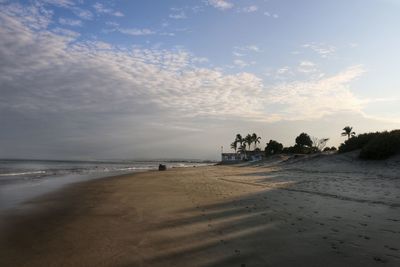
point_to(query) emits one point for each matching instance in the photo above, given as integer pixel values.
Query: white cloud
(61, 3)
(307, 67)
(282, 70)
(240, 63)
(253, 48)
(322, 49)
(316, 98)
(136, 31)
(70, 22)
(220, 4)
(180, 15)
(248, 9)
(43, 72)
(240, 51)
(82, 13)
(268, 14)
(101, 9)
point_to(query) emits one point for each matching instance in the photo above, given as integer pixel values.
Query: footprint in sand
(378, 259)
(391, 248)
(335, 230)
(364, 236)
(363, 224)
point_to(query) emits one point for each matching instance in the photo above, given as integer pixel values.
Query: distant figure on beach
(162, 167)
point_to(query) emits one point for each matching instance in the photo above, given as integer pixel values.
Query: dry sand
(325, 210)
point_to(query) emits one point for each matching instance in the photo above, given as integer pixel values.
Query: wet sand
(322, 211)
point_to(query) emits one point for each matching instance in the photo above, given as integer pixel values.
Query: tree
(273, 147)
(248, 140)
(303, 140)
(319, 144)
(348, 131)
(239, 139)
(256, 139)
(242, 150)
(234, 145)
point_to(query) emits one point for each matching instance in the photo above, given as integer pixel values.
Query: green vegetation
(357, 142)
(348, 131)
(330, 149)
(382, 146)
(378, 145)
(273, 147)
(303, 140)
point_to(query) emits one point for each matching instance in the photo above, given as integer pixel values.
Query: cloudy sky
(82, 79)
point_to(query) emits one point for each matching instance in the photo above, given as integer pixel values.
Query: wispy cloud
(61, 3)
(322, 49)
(179, 15)
(268, 14)
(42, 71)
(80, 77)
(240, 51)
(70, 22)
(307, 67)
(82, 13)
(136, 31)
(248, 9)
(318, 97)
(221, 4)
(101, 9)
(240, 63)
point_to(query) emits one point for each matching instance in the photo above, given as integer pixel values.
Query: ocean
(22, 180)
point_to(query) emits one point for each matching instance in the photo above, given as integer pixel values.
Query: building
(236, 157)
(231, 157)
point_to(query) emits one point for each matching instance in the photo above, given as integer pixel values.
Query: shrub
(296, 149)
(329, 149)
(303, 140)
(382, 146)
(356, 142)
(273, 147)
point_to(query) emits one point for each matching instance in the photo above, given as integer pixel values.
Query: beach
(322, 210)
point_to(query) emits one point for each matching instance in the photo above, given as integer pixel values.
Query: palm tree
(239, 139)
(234, 145)
(248, 140)
(242, 150)
(348, 131)
(256, 139)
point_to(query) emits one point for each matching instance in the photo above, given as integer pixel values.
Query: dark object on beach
(162, 167)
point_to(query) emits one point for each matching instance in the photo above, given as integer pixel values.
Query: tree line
(378, 145)
(304, 144)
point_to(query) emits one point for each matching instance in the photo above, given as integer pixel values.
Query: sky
(125, 79)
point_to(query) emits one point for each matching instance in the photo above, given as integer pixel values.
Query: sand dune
(323, 210)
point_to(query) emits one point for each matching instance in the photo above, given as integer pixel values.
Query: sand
(324, 210)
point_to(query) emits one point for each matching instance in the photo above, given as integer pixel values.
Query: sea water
(21, 180)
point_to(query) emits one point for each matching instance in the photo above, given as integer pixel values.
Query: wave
(22, 173)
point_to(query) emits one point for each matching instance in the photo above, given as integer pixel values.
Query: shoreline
(203, 216)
